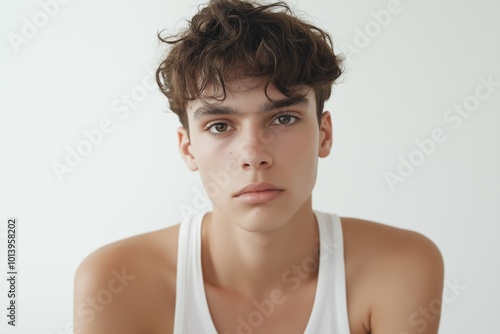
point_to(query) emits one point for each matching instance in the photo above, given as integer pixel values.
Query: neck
(254, 262)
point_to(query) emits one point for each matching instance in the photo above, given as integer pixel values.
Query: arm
(409, 287)
(103, 287)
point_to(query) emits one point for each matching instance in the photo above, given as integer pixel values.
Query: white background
(401, 80)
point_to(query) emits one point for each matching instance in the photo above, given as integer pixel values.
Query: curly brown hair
(230, 39)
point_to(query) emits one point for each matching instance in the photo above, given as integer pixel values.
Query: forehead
(249, 93)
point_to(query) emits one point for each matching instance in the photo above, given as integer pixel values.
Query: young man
(249, 83)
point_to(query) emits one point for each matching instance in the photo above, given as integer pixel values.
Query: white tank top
(329, 312)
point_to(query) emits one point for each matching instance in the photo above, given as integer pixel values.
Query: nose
(254, 151)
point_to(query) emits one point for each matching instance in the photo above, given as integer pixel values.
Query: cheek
(205, 150)
(299, 157)
(215, 163)
(300, 148)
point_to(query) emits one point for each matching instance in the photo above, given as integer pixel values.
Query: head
(231, 39)
(248, 83)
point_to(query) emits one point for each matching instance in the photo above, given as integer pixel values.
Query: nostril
(253, 158)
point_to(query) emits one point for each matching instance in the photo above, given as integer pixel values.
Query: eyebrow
(214, 109)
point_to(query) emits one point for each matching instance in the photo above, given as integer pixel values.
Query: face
(249, 139)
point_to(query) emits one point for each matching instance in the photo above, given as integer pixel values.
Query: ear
(186, 150)
(325, 135)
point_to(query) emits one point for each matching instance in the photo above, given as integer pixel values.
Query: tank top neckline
(321, 284)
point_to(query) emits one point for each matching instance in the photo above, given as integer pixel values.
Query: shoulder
(397, 271)
(386, 243)
(123, 278)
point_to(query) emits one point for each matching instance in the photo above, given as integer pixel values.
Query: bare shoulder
(127, 286)
(384, 242)
(392, 273)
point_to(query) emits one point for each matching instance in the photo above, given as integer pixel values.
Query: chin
(263, 218)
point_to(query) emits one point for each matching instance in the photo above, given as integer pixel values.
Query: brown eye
(286, 119)
(218, 128)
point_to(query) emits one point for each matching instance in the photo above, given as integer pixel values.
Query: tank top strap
(192, 314)
(334, 315)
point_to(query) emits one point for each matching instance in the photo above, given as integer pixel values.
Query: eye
(217, 128)
(286, 119)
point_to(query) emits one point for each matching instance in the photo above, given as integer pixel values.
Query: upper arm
(410, 285)
(103, 287)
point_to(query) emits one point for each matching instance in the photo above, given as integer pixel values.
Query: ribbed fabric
(329, 312)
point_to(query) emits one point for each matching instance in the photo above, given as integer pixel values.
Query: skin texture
(394, 277)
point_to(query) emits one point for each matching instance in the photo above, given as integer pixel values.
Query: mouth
(256, 193)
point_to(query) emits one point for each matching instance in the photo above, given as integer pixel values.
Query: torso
(290, 317)
(152, 258)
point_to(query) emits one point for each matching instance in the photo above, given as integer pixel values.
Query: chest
(280, 311)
